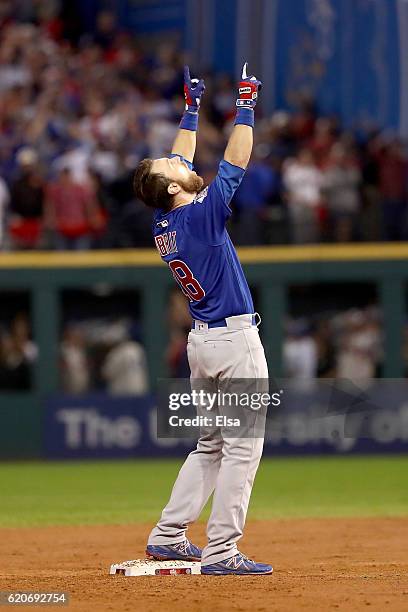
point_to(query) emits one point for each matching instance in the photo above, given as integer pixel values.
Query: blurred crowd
(103, 355)
(106, 354)
(79, 110)
(17, 354)
(346, 345)
(94, 355)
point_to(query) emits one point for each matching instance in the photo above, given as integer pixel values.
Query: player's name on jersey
(204, 421)
(166, 243)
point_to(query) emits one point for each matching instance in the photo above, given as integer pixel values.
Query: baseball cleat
(186, 551)
(239, 565)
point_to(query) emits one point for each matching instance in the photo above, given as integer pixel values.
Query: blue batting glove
(193, 90)
(248, 88)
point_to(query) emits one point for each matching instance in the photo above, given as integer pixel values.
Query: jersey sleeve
(211, 210)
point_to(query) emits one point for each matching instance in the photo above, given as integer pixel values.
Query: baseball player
(190, 235)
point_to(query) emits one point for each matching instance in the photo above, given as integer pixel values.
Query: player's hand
(248, 88)
(193, 90)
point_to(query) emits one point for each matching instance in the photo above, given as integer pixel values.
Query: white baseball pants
(221, 463)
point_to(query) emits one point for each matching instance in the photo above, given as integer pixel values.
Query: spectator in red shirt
(27, 197)
(393, 189)
(71, 212)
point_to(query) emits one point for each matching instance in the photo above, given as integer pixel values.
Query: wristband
(189, 121)
(244, 116)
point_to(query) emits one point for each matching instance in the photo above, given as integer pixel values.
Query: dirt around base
(319, 564)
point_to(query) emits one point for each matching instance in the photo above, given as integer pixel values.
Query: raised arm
(239, 147)
(185, 142)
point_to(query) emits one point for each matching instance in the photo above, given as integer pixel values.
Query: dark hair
(151, 187)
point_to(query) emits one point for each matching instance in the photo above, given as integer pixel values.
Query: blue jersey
(194, 242)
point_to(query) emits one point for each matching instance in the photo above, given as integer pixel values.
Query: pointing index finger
(244, 71)
(187, 78)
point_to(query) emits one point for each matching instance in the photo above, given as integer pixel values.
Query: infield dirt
(319, 564)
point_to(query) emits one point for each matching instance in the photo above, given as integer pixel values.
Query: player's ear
(173, 188)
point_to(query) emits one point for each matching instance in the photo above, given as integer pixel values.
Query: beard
(193, 184)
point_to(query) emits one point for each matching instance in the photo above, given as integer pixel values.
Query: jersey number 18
(184, 276)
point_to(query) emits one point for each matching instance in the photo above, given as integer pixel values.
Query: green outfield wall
(271, 270)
